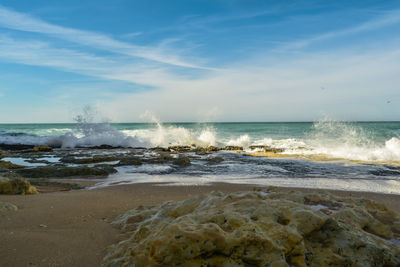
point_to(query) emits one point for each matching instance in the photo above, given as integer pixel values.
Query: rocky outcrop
(234, 148)
(44, 185)
(132, 161)
(182, 160)
(266, 148)
(259, 228)
(16, 186)
(12, 147)
(58, 171)
(214, 160)
(4, 153)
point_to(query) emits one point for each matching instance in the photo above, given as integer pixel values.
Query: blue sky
(200, 60)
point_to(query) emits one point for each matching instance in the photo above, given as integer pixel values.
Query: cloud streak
(23, 22)
(388, 19)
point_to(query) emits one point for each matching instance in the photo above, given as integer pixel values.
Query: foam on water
(330, 139)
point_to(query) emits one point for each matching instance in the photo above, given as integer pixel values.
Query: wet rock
(89, 160)
(267, 148)
(259, 228)
(182, 160)
(42, 148)
(233, 148)
(41, 183)
(162, 157)
(5, 206)
(129, 161)
(61, 171)
(8, 165)
(158, 149)
(107, 168)
(16, 186)
(103, 147)
(9, 175)
(210, 148)
(180, 148)
(214, 160)
(15, 147)
(4, 154)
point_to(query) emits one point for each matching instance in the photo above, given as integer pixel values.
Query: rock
(16, 186)
(210, 148)
(108, 168)
(15, 147)
(162, 157)
(42, 184)
(5, 206)
(258, 228)
(8, 165)
(104, 146)
(4, 154)
(180, 148)
(60, 171)
(267, 148)
(214, 160)
(182, 161)
(89, 160)
(42, 148)
(233, 148)
(129, 161)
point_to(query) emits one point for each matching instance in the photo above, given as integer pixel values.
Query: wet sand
(72, 228)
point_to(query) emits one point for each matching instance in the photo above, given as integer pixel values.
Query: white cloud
(23, 22)
(387, 19)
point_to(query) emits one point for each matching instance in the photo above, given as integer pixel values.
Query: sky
(199, 60)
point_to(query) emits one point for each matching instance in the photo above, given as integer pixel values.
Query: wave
(328, 138)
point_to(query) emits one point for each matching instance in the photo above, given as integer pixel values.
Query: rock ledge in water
(259, 228)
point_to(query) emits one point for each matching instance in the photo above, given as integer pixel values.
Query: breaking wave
(328, 138)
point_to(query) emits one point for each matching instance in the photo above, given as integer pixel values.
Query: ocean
(362, 156)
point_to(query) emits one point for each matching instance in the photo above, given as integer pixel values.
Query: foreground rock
(260, 228)
(16, 186)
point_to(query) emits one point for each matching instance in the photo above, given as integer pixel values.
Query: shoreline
(71, 228)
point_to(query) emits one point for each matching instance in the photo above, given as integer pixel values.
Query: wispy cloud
(24, 22)
(387, 19)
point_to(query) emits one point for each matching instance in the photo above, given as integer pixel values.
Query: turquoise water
(378, 131)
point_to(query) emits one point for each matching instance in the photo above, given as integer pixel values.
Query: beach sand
(72, 228)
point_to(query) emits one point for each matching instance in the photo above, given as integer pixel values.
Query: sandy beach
(72, 228)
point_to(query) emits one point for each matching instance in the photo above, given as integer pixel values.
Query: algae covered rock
(16, 186)
(182, 160)
(234, 148)
(259, 228)
(42, 148)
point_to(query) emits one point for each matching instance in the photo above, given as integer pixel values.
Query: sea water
(325, 154)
